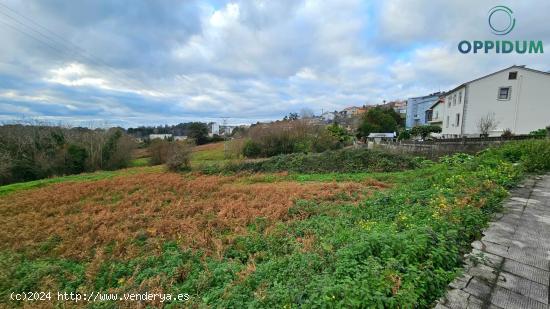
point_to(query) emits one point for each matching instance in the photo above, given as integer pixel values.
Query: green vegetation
(380, 120)
(139, 162)
(344, 161)
(541, 132)
(30, 152)
(425, 131)
(419, 131)
(293, 136)
(397, 248)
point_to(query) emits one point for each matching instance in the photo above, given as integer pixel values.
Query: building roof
(439, 93)
(438, 101)
(390, 135)
(494, 73)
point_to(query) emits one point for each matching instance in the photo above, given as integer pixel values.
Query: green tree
(75, 161)
(424, 131)
(338, 132)
(378, 120)
(199, 132)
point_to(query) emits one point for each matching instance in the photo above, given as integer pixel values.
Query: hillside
(255, 239)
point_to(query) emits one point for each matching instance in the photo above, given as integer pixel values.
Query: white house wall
(454, 105)
(528, 108)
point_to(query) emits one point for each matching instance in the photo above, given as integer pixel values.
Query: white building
(328, 116)
(160, 136)
(516, 98)
(215, 128)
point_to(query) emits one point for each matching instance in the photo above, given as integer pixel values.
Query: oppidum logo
(501, 22)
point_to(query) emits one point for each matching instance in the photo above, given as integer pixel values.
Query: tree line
(30, 152)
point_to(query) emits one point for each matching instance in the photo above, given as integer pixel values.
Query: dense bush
(533, 154)
(176, 155)
(424, 131)
(345, 160)
(380, 120)
(30, 152)
(179, 157)
(158, 150)
(251, 149)
(541, 132)
(292, 137)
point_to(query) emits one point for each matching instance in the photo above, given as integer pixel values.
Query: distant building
(215, 128)
(417, 107)
(400, 107)
(328, 116)
(160, 136)
(180, 138)
(351, 111)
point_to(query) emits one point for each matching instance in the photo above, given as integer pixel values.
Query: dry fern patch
(201, 212)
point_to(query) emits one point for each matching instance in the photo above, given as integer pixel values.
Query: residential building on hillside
(417, 107)
(400, 107)
(328, 116)
(515, 99)
(352, 111)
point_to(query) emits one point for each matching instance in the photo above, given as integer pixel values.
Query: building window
(449, 98)
(460, 97)
(447, 121)
(457, 120)
(504, 93)
(454, 99)
(513, 75)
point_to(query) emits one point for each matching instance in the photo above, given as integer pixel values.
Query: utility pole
(224, 121)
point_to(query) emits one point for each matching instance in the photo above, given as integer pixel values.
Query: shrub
(251, 149)
(287, 137)
(404, 135)
(507, 133)
(179, 156)
(425, 131)
(158, 150)
(540, 132)
(346, 160)
(534, 155)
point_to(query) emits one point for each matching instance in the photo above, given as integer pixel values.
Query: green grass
(140, 162)
(209, 157)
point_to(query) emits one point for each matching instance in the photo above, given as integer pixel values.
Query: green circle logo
(499, 10)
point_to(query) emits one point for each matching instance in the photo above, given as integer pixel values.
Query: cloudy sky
(156, 62)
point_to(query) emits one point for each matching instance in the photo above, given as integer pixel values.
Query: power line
(57, 39)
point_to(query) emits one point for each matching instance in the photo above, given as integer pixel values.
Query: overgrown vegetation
(29, 152)
(344, 161)
(302, 240)
(293, 136)
(380, 120)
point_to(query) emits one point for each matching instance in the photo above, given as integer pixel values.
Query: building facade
(514, 99)
(417, 107)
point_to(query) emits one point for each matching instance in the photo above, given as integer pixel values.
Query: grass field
(253, 239)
